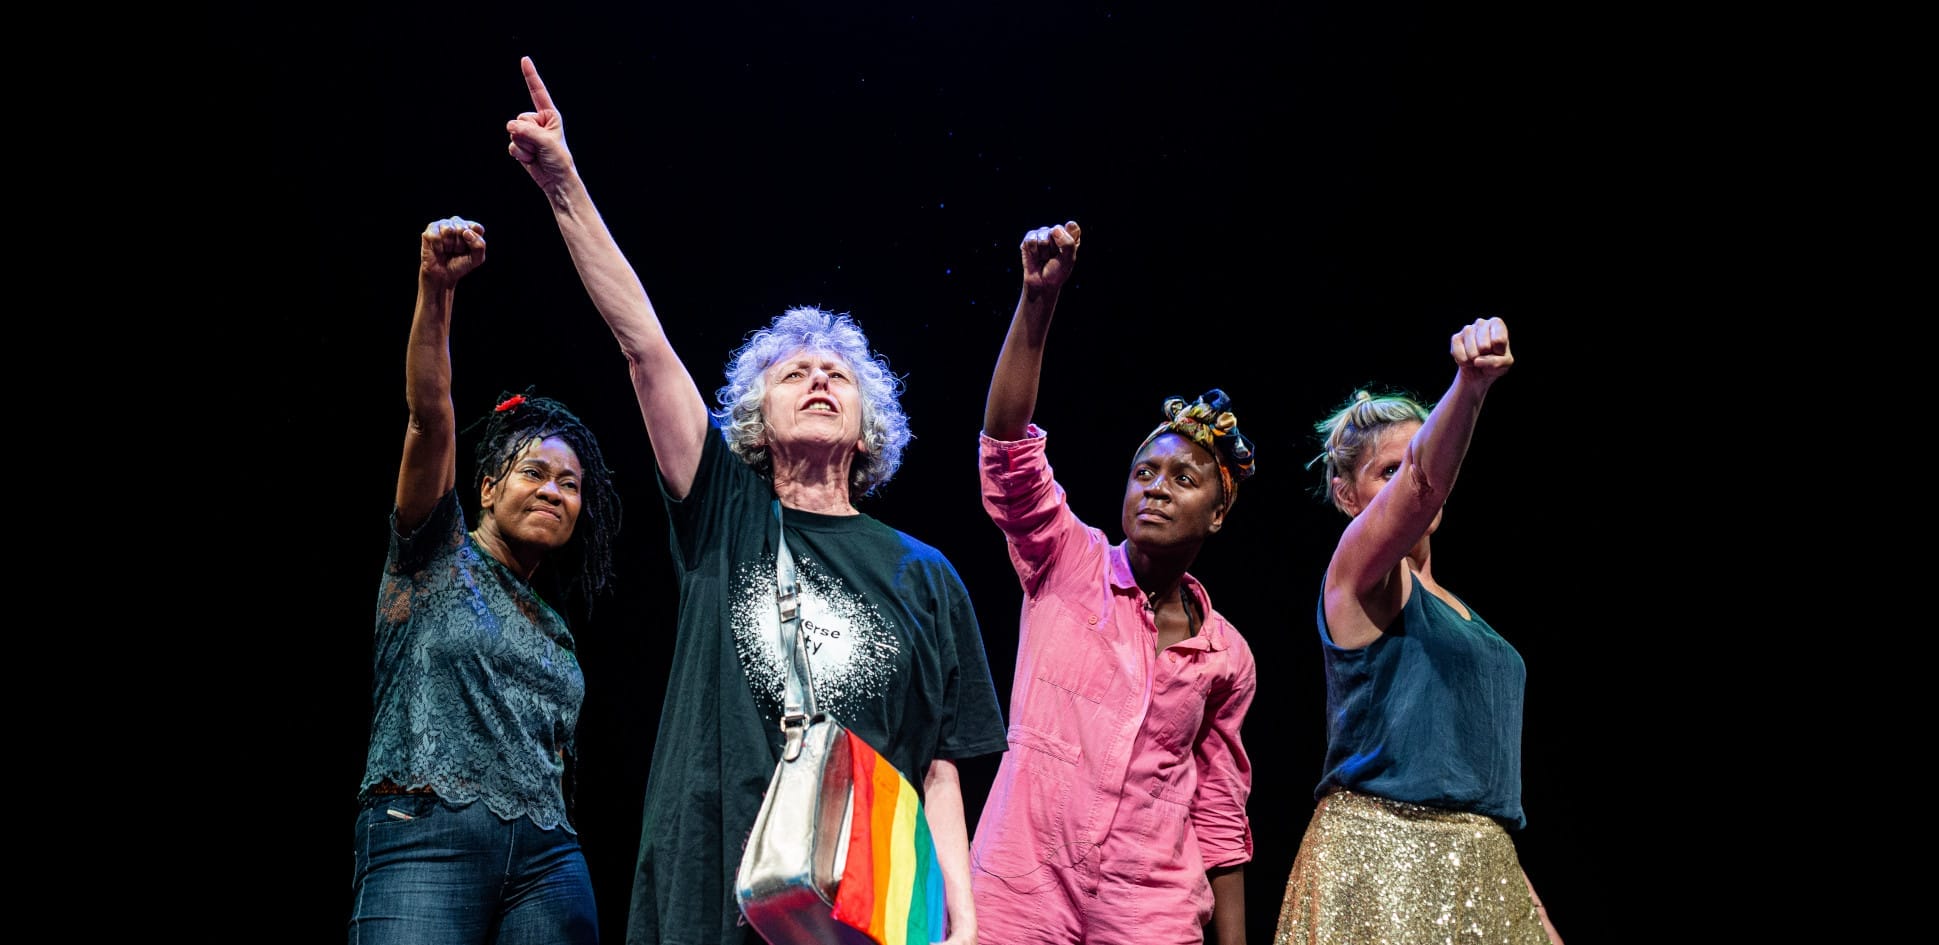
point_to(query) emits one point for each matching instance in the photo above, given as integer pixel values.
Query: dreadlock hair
(1350, 431)
(521, 420)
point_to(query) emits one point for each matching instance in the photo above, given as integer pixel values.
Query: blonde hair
(1350, 431)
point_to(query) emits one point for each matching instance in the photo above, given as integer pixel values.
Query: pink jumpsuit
(1125, 779)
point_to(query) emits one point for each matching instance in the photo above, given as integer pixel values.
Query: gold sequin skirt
(1371, 870)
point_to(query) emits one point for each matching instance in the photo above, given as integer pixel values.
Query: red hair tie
(509, 403)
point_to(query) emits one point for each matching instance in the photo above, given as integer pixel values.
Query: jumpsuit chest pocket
(1073, 674)
(1185, 679)
(1082, 660)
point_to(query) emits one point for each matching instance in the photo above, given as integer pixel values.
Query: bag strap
(800, 688)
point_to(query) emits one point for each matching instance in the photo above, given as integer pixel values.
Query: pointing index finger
(541, 99)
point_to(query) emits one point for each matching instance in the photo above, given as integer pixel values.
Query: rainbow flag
(892, 886)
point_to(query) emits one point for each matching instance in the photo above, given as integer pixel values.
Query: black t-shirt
(895, 654)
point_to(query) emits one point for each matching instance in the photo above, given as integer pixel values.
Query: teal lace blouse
(475, 691)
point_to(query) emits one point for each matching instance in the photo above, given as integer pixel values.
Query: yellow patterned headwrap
(1210, 424)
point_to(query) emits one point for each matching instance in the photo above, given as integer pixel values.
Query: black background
(1283, 200)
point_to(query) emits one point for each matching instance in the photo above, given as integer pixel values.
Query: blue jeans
(429, 873)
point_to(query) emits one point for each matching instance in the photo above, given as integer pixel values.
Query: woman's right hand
(1481, 350)
(1049, 254)
(539, 136)
(449, 249)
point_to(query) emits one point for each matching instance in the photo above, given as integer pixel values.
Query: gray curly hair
(885, 428)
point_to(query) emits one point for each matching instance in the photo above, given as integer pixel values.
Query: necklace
(1184, 602)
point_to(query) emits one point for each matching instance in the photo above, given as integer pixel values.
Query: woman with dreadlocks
(1119, 813)
(1421, 788)
(463, 834)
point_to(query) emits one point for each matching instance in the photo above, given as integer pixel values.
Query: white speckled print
(852, 646)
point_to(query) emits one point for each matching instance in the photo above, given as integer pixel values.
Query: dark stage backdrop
(1283, 200)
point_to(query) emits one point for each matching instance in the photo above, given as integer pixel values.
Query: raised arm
(1049, 255)
(1370, 552)
(670, 404)
(448, 249)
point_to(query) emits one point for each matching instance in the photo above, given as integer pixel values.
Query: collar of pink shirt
(1211, 636)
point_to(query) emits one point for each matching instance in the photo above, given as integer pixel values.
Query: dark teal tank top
(1429, 713)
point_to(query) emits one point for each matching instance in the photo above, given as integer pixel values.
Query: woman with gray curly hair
(806, 425)
(742, 416)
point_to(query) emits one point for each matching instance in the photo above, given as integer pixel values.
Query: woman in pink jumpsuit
(1118, 815)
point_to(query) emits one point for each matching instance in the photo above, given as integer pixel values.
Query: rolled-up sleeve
(1224, 772)
(1022, 497)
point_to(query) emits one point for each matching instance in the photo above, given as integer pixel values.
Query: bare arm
(448, 249)
(1049, 254)
(942, 790)
(1228, 904)
(670, 404)
(1365, 565)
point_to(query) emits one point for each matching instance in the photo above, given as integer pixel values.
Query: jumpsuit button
(1093, 620)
